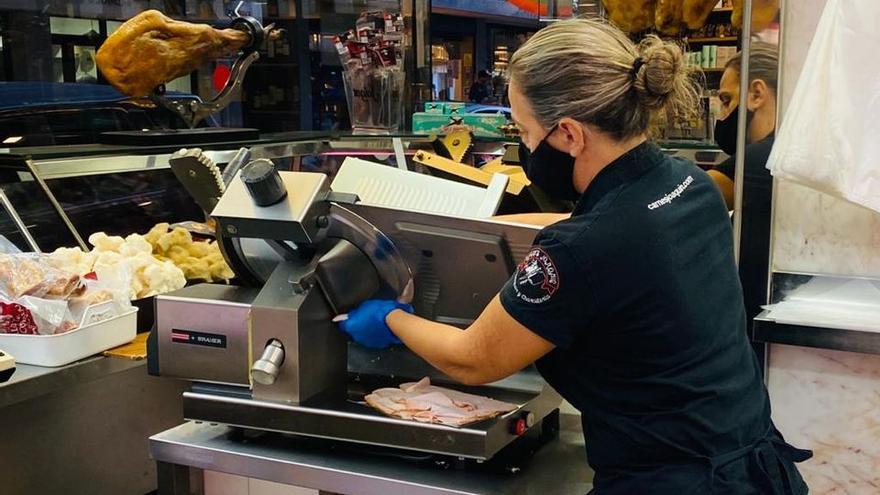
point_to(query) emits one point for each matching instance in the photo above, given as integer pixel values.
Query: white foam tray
(65, 348)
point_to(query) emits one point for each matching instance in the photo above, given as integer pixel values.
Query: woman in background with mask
(758, 183)
(610, 304)
(760, 117)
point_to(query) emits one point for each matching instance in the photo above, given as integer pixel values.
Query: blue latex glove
(366, 323)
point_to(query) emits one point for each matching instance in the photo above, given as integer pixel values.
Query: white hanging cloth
(829, 139)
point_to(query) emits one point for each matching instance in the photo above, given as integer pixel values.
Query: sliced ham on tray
(426, 403)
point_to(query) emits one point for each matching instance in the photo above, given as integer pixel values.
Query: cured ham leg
(695, 12)
(151, 49)
(763, 14)
(632, 16)
(667, 18)
(426, 403)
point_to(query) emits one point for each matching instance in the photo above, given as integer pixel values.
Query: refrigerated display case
(62, 194)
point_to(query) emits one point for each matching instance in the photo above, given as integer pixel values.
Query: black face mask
(550, 169)
(725, 130)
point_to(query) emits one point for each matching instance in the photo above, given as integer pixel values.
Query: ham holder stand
(193, 110)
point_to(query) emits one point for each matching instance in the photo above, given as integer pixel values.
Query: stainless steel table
(29, 382)
(184, 451)
(82, 428)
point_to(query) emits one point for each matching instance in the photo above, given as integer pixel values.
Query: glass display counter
(62, 194)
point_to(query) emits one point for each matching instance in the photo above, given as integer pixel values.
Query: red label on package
(15, 318)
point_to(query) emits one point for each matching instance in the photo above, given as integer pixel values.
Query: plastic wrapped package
(103, 298)
(38, 298)
(828, 137)
(28, 274)
(50, 316)
(7, 247)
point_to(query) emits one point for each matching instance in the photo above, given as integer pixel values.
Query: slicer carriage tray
(351, 420)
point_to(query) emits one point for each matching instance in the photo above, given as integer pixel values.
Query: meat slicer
(265, 355)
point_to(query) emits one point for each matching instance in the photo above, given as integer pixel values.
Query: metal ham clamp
(193, 111)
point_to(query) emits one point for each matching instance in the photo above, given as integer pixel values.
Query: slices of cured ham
(427, 403)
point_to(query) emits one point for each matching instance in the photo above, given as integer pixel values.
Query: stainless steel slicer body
(268, 356)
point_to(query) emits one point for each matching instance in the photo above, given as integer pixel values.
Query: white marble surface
(217, 483)
(815, 233)
(799, 22)
(829, 401)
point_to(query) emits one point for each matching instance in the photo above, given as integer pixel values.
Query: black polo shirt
(639, 292)
(754, 256)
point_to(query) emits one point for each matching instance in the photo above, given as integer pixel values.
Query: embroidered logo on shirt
(536, 277)
(670, 197)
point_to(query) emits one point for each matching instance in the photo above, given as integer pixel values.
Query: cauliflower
(73, 260)
(177, 237)
(162, 277)
(103, 242)
(107, 260)
(199, 260)
(196, 269)
(134, 244)
(156, 232)
(130, 262)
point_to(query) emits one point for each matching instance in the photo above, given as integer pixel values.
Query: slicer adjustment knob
(265, 371)
(263, 182)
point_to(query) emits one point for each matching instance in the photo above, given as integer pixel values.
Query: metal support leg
(173, 479)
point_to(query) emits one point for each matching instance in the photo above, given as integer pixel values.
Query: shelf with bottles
(500, 58)
(280, 50)
(716, 39)
(718, 27)
(711, 58)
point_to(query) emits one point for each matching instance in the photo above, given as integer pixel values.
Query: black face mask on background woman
(725, 130)
(550, 169)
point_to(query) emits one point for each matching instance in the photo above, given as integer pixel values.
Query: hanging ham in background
(151, 49)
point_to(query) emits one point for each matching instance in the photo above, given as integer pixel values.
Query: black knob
(263, 182)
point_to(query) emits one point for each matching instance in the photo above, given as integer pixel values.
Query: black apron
(765, 467)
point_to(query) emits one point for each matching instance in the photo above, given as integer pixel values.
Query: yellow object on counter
(134, 350)
(516, 173)
(473, 174)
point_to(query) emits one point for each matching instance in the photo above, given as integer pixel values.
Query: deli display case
(63, 194)
(57, 196)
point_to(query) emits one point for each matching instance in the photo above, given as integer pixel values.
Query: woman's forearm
(495, 346)
(443, 346)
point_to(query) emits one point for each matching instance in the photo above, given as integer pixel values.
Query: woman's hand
(366, 324)
(493, 347)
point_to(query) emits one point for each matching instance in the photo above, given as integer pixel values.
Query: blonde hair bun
(591, 71)
(663, 72)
